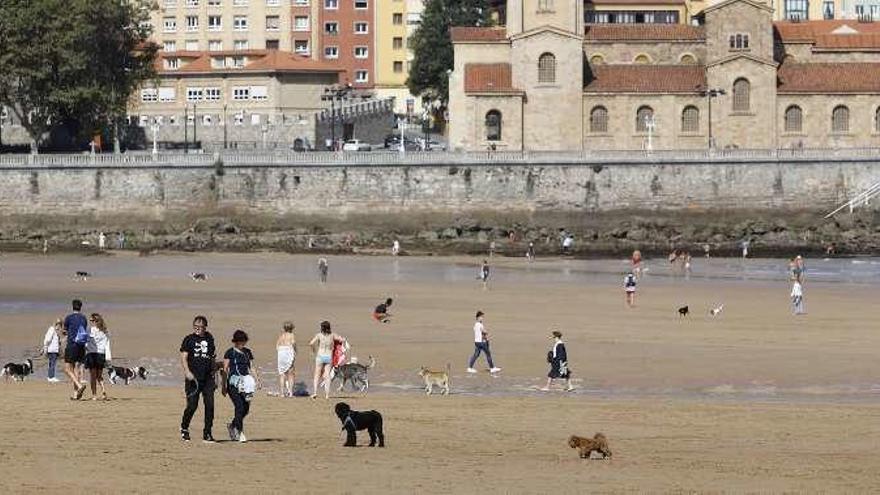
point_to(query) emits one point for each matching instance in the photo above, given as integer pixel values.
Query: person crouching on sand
(237, 361)
(381, 313)
(98, 354)
(286, 347)
(558, 360)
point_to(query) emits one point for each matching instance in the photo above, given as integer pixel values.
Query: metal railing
(862, 199)
(283, 157)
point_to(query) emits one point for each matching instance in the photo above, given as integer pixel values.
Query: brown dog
(587, 446)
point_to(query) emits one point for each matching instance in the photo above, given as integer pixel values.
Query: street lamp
(331, 94)
(155, 128)
(709, 94)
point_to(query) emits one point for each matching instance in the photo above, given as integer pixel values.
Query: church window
(547, 68)
(599, 119)
(840, 119)
(493, 125)
(793, 119)
(690, 119)
(741, 97)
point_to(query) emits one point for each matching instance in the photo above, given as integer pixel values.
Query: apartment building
(392, 56)
(304, 27)
(346, 38)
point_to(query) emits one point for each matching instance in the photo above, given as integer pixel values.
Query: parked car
(392, 142)
(356, 145)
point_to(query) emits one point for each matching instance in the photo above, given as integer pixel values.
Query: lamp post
(710, 94)
(186, 129)
(224, 127)
(155, 128)
(195, 128)
(333, 93)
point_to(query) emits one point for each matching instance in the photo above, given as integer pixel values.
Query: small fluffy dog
(354, 421)
(683, 311)
(81, 275)
(198, 277)
(126, 374)
(439, 378)
(587, 446)
(716, 310)
(354, 372)
(18, 371)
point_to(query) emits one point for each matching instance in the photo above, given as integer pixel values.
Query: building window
(413, 18)
(240, 93)
(149, 95)
(739, 41)
(301, 23)
(644, 115)
(273, 44)
(167, 94)
(397, 43)
(194, 94)
(301, 47)
(273, 3)
(191, 45)
(360, 52)
(331, 28)
(238, 62)
(360, 4)
(218, 62)
(642, 59)
(215, 23)
(172, 63)
(840, 119)
(169, 24)
(797, 10)
(259, 93)
(493, 125)
(331, 52)
(331, 4)
(212, 94)
(170, 4)
(255, 119)
(547, 68)
(828, 10)
(793, 119)
(599, 119)
(361, 76)
(240, 23)
(690, 119)
(301, 3)
(239, 45)
(215, 45)
(239, 3)
(192, 23)
(215, 3)
(398, 66)
(169, 46)
(597, 59)
(360, 28)
(273, 23)
(687, 59)
(397, 19)
(877, 120)
(192, 3)
(545, 5)
(741, 90)
(238, 119)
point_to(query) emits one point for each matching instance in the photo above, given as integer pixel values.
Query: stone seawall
(594, 200)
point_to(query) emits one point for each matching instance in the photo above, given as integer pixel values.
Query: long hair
(99, 322)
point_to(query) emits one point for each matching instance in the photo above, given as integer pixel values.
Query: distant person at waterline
(797, 298)
(102, 241)
(323, 268)
(745, 248)
(395, 248)
(484, 274)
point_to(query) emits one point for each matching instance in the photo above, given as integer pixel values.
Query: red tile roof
(644, 32)
(646, 79)
(257, 61)
(464, 34)
(859, 78)
(488, 78)
(822, 34)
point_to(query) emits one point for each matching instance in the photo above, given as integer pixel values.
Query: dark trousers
(478, 348)
(242, 407)
(193, 389)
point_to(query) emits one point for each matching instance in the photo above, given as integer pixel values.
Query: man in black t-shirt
(197, 357)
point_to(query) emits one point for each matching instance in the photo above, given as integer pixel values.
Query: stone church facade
(736, 79)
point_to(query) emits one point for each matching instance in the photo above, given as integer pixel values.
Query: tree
(72, 62)
(432, 47)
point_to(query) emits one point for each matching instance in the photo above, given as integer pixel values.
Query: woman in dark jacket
(558, 360)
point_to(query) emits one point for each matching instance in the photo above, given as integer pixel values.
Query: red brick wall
(346, 16)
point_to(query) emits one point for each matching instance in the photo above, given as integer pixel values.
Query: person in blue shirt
(76, 328)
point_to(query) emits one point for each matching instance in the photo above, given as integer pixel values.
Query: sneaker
(208, 438)
(184, 435)
(233, 432)
(80, 391)
(494, 370)
(241, 437)
(471, 370)
(53, 380)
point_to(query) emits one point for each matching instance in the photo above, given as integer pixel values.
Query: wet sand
(756, 400)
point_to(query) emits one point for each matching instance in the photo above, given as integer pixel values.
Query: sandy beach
(755, 400)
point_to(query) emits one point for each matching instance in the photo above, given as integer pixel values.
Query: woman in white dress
(286, 347)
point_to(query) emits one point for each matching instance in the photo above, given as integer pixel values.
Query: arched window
(793, 119)
(687, 59)
(644, 115)
(642, 59)
(741, 89)
(877, 120)
(597, 59)
(599, 119)
(840, 119)
(690, 119)
(493, 125)
(547, 68)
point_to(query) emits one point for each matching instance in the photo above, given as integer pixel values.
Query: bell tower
(525, 15)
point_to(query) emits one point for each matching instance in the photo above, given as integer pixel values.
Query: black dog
(82, 275)
(352, 421)
(198, 277)
(18, 372)
(683, 311)
(127, 374)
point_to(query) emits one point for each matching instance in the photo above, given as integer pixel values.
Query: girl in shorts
(97, 354)
(322, 346)
(629, 287)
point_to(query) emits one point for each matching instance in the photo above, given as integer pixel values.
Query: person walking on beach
(558, 360)
(797, 298)
(242, 383)
(629, 288)
(322, 345)
(98, 355)
(197, 358)
(395, 248)
(481, 345)
(323, 268)
(484, 274)
(636, 261)
(51, 348)
(102, 241)
(745, 248)
(76, 328)
(530, 252)
(286, 348)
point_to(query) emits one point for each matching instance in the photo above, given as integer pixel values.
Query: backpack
(82, 335)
